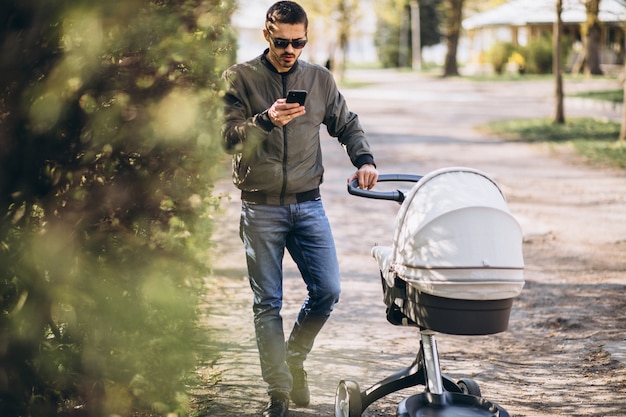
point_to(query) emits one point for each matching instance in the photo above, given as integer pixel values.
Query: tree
(109, 118)
(452, 12)
(430, 22)
(559, 114)
(347, 15)
(591, 32)
(339, 17)
(389, 26)
(622, 132)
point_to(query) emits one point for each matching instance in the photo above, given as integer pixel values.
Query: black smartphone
(296, 96)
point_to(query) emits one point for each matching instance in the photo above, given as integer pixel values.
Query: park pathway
(551, 361)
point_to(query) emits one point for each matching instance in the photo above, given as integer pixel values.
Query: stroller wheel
(469, 386)
(348, 399)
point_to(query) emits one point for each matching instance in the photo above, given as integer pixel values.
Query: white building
(518, 21)
(249, 20)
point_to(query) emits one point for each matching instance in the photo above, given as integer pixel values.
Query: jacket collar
(269, 65)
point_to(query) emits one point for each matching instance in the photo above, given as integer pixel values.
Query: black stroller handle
(396, 195)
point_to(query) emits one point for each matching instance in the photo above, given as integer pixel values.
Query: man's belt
(259, 197)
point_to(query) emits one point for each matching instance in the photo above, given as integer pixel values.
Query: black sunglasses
(284, 43)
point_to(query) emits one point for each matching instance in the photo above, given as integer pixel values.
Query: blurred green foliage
(534, 58)
(109, 131)
(390, 16)
(499, 55)
(539, 55)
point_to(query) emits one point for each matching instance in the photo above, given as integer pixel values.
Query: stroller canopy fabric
(455, 237)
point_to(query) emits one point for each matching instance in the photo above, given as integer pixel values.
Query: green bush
(387, 42)
(109, 130)
(538, 54)
(499, 54)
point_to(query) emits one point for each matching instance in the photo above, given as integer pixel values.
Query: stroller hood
(455, 237)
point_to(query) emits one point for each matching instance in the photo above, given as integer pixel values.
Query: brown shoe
(277, 406)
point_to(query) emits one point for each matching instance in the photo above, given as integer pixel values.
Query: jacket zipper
(284, 186)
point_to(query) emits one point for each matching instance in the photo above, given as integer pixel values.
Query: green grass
(530, 77)
(596, 140)
(614, 96)
(509, 77)
(347, 83)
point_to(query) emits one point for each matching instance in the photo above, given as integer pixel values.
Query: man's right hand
(282, 112)
(367, 176)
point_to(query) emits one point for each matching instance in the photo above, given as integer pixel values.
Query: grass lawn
(595, 139)
(614, 96)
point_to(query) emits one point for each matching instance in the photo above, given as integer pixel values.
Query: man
(277, 165)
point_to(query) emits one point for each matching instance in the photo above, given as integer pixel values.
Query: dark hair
(288, 12)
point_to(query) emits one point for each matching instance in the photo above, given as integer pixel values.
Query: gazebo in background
(519, 21)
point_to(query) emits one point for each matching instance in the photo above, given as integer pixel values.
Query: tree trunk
(405, 29)
(453, 25)
(622, 132)
(559, 113)
(344, 36)
(592, 39)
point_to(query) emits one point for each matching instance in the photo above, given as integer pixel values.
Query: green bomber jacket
(282, 162)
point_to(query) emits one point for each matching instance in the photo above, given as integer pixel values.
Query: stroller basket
(455, 263)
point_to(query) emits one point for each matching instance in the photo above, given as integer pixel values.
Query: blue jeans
(302, 228)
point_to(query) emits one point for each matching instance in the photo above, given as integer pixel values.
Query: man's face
(283, 57)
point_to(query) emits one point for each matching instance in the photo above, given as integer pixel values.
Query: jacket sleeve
(241, 128)
(345, 126)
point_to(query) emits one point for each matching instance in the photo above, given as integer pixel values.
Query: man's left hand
(367, 176)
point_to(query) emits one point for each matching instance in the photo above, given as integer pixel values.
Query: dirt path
(553, 361)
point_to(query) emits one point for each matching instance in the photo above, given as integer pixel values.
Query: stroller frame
(442, 396)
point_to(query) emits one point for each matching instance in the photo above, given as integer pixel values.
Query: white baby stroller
(454, 267)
